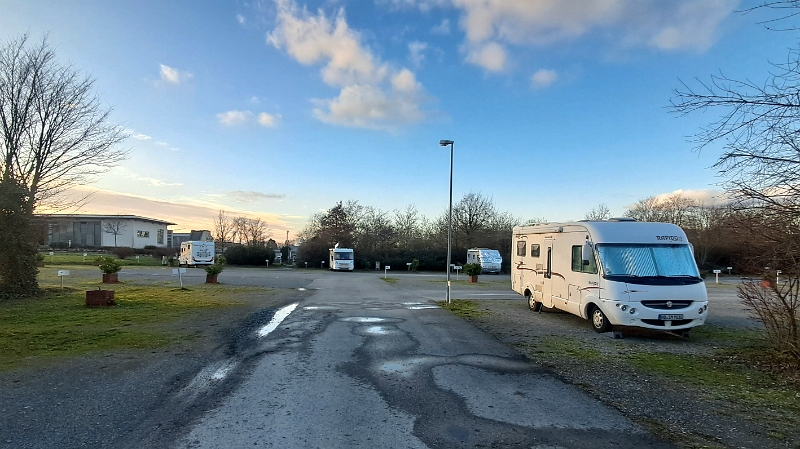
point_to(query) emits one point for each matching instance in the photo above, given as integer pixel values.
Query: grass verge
(464, 308)
(59, 323)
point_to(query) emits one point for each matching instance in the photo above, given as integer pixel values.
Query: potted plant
(472, 270)
(110, 267)
(212, 271)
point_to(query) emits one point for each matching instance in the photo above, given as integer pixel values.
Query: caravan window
(521, 244)
(577, 261)
(535, 251)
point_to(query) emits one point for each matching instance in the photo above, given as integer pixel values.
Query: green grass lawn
(79, 259)
(59, 323)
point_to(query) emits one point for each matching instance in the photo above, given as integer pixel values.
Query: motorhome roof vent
(621, 219)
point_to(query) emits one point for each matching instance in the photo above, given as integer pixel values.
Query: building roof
(101, 217)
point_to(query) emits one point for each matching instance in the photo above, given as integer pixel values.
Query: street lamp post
(445, 143)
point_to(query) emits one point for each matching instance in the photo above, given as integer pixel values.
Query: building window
(521, 247)
(160, 237)
(143, 234)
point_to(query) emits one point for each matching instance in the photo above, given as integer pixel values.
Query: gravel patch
(685, 414)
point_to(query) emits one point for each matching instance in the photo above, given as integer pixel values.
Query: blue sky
(279, 109)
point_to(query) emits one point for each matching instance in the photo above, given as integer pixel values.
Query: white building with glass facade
(94, 231)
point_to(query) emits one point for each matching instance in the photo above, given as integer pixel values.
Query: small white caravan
(490, 259)
(341, 259)
(617, 272)
(195, 253)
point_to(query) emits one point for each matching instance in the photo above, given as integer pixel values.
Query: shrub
(249, 255)
(472, 269)
(123, 252)
(109, 265)
(219, 265)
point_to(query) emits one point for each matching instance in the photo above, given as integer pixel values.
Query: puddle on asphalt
(276, 320)
(421, 307)
(403, 368)
(301, 289)
(364, 319)
(413, 303)
(380, 330)
(319, 308)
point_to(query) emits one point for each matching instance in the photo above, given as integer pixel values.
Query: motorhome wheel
(599, 321)
(533, 304)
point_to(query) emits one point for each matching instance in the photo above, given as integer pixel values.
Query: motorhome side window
(577, 261)
(521, 247)
(535, 251)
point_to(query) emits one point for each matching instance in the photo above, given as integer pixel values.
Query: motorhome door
(547, 284)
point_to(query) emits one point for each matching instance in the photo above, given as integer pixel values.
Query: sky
(280, 109)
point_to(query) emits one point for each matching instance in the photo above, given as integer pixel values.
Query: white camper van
(615, 272)
(196, 253)
(490, 259)
(341, 259)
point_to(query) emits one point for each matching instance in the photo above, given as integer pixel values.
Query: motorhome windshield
(648, 264)
(491, 256)
(343, 255)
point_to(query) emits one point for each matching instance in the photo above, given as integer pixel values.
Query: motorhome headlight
(633, 310)
(624, 308)
(702, 309)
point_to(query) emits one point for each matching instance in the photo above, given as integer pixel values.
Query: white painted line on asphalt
(276, 320)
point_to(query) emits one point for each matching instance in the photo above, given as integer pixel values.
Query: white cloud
(491, 56)
(237, 118)
(372, 95)
(240, 18)
(255, 100)
(543, 78)
(416, 53)
(443, 28)
(174, 76)
(674, 25)
(233, 118)
(139, 136)
(152, 181)
(703, 197)
(268, 120)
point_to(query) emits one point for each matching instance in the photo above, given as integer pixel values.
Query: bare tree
(223, 229)
(55, 132)
(471, 218)
(256, 231)
(600, 212)
(115, 228)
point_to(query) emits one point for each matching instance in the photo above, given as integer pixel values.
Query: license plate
(674, 316)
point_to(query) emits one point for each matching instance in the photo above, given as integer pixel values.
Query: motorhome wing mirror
(587, 252)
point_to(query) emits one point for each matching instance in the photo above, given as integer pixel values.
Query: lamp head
(445, 143)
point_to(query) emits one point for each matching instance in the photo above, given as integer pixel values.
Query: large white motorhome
(195, 253)
(490, 259)
(341, 259)
(617, 272)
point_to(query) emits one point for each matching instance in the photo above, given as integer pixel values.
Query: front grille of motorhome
(661, 322)
(667, 304)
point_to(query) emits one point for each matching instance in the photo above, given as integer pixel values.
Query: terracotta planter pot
(211, 278)
(767, 283)
(99, 298)
(473, 279)
(110, 278)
